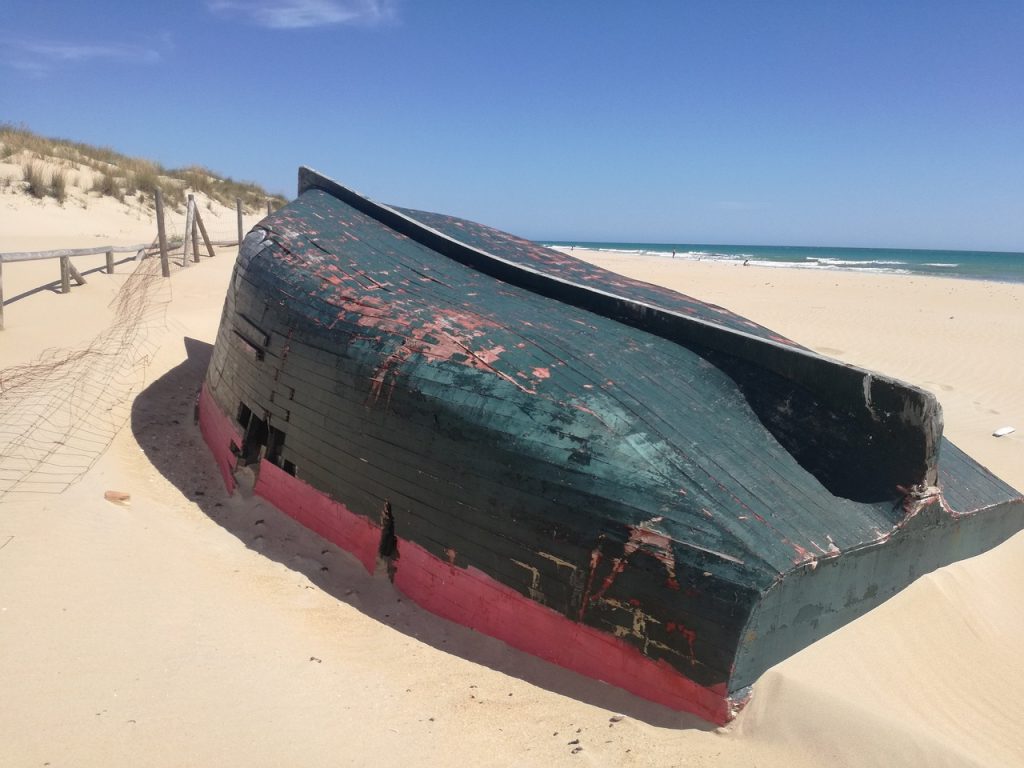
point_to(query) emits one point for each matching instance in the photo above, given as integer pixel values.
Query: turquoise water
(975, 265)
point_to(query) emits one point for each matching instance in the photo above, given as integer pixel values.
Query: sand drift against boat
(623, 480)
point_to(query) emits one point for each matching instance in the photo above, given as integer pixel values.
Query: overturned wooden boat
(623, 480)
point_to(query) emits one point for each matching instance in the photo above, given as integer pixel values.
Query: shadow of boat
(162, 421)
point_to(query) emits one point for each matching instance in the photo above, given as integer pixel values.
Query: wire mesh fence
(60, 412)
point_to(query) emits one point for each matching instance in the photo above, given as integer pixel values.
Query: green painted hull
(646, 467)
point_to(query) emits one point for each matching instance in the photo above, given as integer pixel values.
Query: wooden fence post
(188, 230)
(202, 231)
(195, 235)
(269, 209)
(165, 266)
(74, 274)
(238, 206)
(68, 272)
(65, 275)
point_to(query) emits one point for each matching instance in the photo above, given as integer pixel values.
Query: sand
(185, 627)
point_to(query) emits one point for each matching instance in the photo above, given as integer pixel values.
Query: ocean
(1000, 266)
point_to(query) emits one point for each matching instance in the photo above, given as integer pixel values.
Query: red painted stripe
(219, 432)
(472, 598)
(321, 514)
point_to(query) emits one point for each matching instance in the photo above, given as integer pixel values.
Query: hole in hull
(387, 550)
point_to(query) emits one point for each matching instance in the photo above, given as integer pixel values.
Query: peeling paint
(534, 588)
(396, 335)
(557, 560)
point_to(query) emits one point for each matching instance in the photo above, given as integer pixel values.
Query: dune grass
(32, 174)
(106, 184)
(121, 175)
(59, 185)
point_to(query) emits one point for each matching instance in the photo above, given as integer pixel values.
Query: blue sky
(788, 122)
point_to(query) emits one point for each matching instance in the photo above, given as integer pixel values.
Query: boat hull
(469, 596)
(607, 483)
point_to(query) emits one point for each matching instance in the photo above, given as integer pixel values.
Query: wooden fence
(194, 228)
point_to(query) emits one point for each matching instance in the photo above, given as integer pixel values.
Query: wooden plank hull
(625, 481)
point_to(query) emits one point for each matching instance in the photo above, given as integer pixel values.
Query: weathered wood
(270, 210)
(620, 468)
(206, 237)
(165, 265)
(65, 275)
(138, 250)
(238, 207)
(75, 274)
(187, 238)
(191, 232)
(55, 254)
(863, 433)
(14, 256)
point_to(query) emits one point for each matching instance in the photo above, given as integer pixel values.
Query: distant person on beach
(673, 253)
(745, 262)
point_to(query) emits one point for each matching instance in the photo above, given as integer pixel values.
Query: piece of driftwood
(117, 497)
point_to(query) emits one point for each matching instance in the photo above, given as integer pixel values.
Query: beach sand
(184, 627)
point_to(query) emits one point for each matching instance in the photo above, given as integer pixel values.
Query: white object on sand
(1003, 431)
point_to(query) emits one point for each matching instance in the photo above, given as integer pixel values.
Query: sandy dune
(185, 627)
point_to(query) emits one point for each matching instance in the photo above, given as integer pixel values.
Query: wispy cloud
(298, 14)
(39, 57)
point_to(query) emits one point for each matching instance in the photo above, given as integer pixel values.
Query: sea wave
(857, 262)
(700, 255)
(787, 264)
(1003, 267)
(881, 270)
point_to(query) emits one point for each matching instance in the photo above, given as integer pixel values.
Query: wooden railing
(194, 228)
